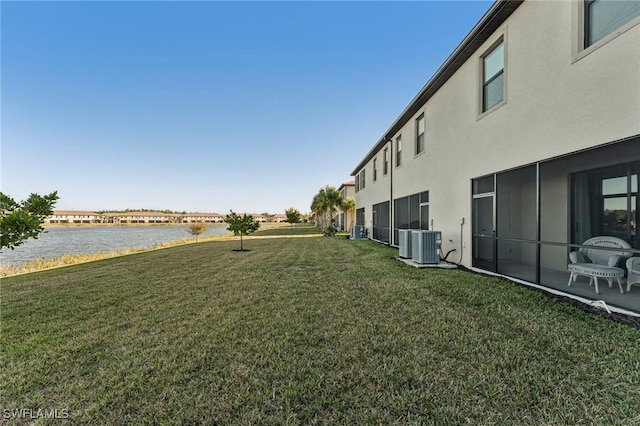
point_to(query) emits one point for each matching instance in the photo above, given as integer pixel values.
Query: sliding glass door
(605, 202)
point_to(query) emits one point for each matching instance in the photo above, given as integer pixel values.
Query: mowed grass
(305, 330)
(283, 229)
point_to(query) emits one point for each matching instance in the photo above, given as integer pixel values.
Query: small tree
(197, 228)
(241, 225)
(23, 220)
(293, 216)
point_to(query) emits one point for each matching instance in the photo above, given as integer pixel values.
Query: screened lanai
(527, 220)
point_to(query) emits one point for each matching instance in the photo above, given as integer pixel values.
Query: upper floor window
(385, 161)
(420, 134)
(375, 169)
(398, 151)
(602, 17)
(362, 179)
(493, 77)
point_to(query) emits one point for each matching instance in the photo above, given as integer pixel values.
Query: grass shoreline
(307, 330)
(44, 264)
(89, 225)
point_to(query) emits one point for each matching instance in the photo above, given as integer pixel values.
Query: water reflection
(94, 239)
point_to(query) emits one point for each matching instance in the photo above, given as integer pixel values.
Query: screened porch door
(484, 242)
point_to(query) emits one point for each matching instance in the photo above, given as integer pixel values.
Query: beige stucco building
(522, 145)
(74, 216)
(202, 217)
(142, 217)
(344, 219)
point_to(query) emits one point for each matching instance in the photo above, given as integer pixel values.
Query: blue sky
(208, 106)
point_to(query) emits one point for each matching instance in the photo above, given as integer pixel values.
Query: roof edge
(497, 14)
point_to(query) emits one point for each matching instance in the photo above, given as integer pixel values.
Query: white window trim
(578, 30)
(500, 38)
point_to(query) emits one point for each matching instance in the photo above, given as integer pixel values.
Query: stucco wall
(557, 102)
(374, 192)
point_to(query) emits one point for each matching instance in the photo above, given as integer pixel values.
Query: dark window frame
(385, 161)
(375, 169)
(588, 37)
(420, 137)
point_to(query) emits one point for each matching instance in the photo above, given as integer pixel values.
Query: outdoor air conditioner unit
(404, 243)
(425, 246)
(357, 231)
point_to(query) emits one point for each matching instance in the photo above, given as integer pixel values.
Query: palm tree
(318, 207)
(324, 205)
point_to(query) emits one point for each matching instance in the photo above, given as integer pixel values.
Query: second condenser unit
(404, 243)
(357, 232)
(425, 246)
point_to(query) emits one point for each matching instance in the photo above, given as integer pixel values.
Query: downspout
(391, 212)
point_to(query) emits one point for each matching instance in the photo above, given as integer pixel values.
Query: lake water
(94, 239)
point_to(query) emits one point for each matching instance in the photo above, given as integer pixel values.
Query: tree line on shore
(23, 220)
(326, 203)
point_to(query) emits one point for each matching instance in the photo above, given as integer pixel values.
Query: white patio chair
(593, 262)
(633, 269)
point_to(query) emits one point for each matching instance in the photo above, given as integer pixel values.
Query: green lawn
(282, 229)
(305, 330)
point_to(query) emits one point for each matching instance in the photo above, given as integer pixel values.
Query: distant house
(345, 219)
(202, 217)
(523, 144)
(148, 217)
(280, 217)
(74, 216)
(142, 217)
(258, 217)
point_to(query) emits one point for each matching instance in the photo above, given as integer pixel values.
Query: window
(360, 180)
(424, 210)
(411, 212)
(493, 77)
(381, 222)
(360, 216)
(385, 163)
(602, 17)
(375, 169)
(605, 202)
(398, 151)
(420, 134)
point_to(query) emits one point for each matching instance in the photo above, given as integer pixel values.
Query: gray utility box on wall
(404, 243)
(357, 232)
(425, 246)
